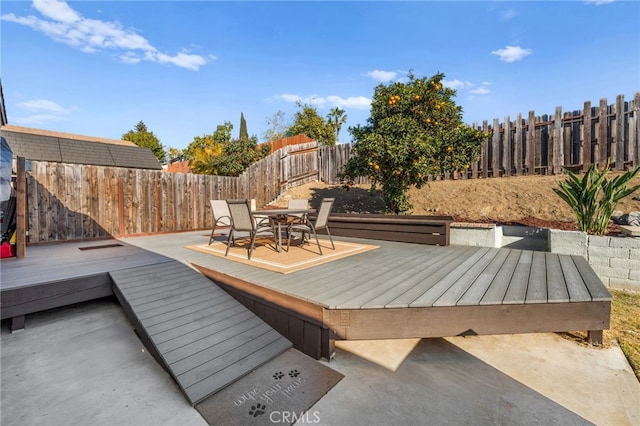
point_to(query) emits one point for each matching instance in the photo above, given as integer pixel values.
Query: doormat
(279, 392)
(298, 257)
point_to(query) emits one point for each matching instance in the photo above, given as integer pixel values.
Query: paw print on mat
(257, 410)
(294, 373)
(278, 375)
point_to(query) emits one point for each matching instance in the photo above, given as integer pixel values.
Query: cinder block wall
(616, 260)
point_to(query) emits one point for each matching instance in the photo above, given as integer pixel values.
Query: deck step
(202, 336)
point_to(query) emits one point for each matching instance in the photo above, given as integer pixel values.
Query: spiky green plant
(593, 197)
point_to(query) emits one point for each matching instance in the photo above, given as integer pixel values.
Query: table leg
(279, 244)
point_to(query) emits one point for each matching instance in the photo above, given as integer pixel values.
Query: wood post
(595, 337)
(21, 208)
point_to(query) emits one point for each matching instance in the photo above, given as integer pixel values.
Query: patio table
(280, 216)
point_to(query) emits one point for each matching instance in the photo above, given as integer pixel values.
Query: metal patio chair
(221, 216)
(307, 227)
(242, 220)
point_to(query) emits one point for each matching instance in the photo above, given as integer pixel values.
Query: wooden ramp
(202, 336)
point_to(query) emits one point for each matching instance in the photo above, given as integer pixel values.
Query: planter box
(432, 230)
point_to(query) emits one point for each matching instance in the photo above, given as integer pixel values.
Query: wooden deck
(410, 290)
(202, 336)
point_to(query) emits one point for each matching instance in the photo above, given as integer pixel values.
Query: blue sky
(97, 68)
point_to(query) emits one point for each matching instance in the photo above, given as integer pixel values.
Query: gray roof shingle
(66, 148)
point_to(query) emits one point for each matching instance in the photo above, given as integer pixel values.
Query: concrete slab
(84, 365)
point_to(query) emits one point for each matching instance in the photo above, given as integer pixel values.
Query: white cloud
(43, 111)
(481, 90)
(382, 76)
(56, 10)
(512, 53)
(507, 15)
(65, 25)
(598, 2)
(44, 105)
(352, 102)
(457, 84)
(39, 119)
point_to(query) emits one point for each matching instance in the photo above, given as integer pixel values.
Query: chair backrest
(241, 219)
(220, 211)
(323, 213)
(298, 204)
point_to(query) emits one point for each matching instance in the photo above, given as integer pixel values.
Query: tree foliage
(307, 121)
(203, 150)
(277, 127)
(237, 155)
(593, 198)
(244, 134)
(336, 119)
(142, 137)
(415, 130)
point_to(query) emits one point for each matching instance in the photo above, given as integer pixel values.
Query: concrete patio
(83, 364)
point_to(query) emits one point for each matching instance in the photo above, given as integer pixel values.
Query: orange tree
(415, 131)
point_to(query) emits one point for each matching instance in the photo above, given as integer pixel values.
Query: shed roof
(45, 145)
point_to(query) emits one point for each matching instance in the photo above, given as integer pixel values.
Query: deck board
(435, 262)
(474, 294)
(537, 288)
(591, 280)
(443, 283)
(451, 296)
(575, 286)
(517, 290)
(500, 283)
(197, 329)
(427, 279)
(556, 284)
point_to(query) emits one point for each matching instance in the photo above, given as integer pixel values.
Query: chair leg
(333, 246)
(253, 241)
(317, 241)
(212, 232)
(229, 242)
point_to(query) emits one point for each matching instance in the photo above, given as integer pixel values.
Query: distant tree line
(218, 154)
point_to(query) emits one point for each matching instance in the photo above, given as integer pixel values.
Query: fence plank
(619, 136)
(587, 138)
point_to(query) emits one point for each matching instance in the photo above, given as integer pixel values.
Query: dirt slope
(528, 200)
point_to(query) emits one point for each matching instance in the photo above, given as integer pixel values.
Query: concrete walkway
(84, 365)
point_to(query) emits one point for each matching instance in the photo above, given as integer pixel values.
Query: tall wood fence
(69, 202)
(540, 144)
(77, 202)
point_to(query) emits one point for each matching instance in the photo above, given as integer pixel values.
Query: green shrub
(594, 197)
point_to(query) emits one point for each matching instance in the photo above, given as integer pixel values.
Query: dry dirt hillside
(527, 200)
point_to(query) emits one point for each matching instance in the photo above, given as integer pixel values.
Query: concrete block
(628, 264)
(568, 242)
(598, 241)
(468, 234)
(621, 253)
(634, 253)
(618, 273)
(634, 275)
(624, 242)
(599, 260)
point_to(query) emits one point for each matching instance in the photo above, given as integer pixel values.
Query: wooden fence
(78, 202)
(540, 144)
(70, 202)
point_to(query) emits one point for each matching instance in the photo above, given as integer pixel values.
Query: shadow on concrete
(437, 384)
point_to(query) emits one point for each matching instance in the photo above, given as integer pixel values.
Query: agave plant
(593, 198)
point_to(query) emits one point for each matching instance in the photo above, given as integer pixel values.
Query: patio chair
(310, 228)
(221, 216)
(242, 221)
